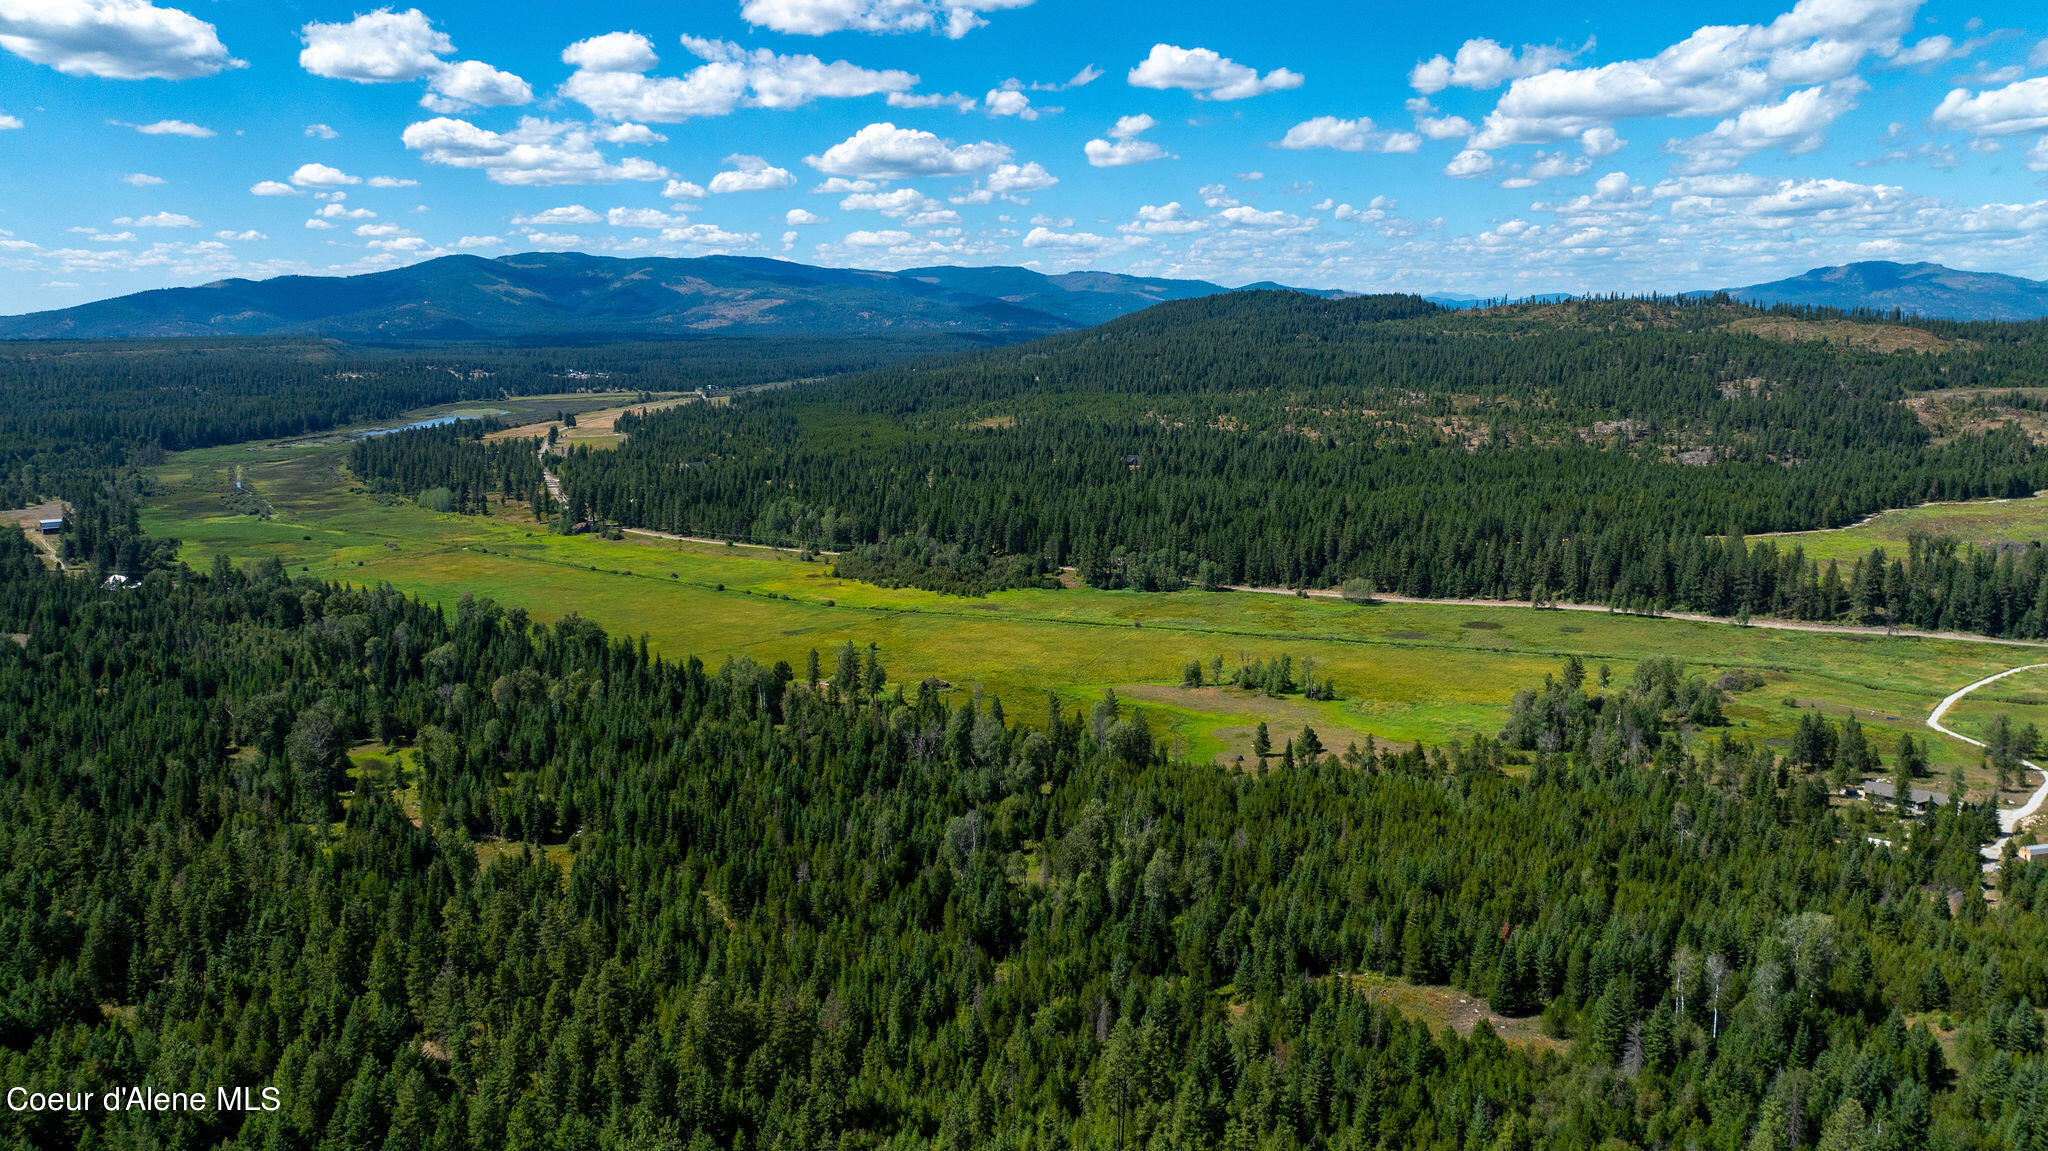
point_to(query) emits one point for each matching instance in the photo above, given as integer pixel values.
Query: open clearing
(1406, 672)
(1868, 336)
(597, 429)
(1986, 523)
(1442, 1007)
(27, 518)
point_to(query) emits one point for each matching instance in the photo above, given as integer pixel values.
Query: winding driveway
(2009, 819)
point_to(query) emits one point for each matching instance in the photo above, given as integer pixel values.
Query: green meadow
(1986, 523)
(1405, 672)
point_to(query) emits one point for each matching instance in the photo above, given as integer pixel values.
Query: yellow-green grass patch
(1985, 523)
(1442, 1007)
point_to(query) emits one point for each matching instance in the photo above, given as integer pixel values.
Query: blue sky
(1475, 149)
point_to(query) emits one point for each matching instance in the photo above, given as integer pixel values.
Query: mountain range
(565, 294)
(569, 293)
(1930, 291)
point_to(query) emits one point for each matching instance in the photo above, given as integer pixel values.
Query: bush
(1739, 680)
(437, 500)
(1358, 589)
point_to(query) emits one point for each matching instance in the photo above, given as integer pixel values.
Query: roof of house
(1884, 790)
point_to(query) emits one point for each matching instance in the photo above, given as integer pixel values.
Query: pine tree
(846, 673)
(1847, 1129)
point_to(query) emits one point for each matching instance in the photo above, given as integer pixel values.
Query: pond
(431, 422)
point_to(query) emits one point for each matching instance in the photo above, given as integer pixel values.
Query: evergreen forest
(614, 900)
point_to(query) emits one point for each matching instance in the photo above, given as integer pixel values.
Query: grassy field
(1986, 523)
(594, 428)
(1405, 673)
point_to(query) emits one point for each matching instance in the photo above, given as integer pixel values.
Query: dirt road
(1691, 617)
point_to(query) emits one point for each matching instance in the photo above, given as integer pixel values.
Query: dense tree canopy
(622, 901)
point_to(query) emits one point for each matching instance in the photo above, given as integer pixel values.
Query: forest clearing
(1405, 672)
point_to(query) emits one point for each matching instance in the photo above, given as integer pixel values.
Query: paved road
(2009, 819)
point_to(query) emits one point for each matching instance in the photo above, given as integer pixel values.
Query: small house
(2034, 851)
(51, 527)
(1919, 800)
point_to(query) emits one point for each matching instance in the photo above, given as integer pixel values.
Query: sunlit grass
(1406, 672)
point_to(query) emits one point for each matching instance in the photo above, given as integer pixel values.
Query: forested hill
(1923, 289)
(1595, 450)
(614, 901)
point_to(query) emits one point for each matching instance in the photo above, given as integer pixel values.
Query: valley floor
(1405, 671)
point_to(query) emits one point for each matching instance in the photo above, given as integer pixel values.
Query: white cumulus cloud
(1122, 153)
(113, 39)
(390, 47)
(885, 152)
(1797, 124)
(1168, 219)
(1469, 164)
(564, 216)
(1716, 71)
(381, 47)
(1043, 237)
(954, 18)
(611, 79)
(470, 84)
(159, 220)
(141, 180)
(1208, 75)
(707, 238)
(630, 133)
(642, 218)
(900, 202)
(799, 217)
(536, 153)
(1123, 147)
(1010, 102)
(1011, 179)
(750, 174)
(1483, 63)
(322, 176)
(171, 128)
(2009, 111)
(272, 188)
(1348, 136)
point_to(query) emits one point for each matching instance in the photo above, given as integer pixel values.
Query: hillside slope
(1928, 290)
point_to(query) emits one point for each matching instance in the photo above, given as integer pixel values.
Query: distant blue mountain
(572, 294)
(1927, 290)
(1461, 303)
